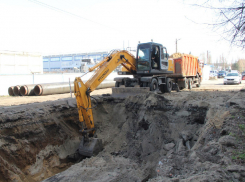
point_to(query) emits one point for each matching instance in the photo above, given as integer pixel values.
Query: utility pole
(177, 45)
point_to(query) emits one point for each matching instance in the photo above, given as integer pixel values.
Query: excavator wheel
(168, 85)
(154, 84)
(90, 146)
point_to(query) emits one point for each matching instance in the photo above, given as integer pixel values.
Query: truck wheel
(198, 82)
(190, 83)
(168, 85)
(154, 84)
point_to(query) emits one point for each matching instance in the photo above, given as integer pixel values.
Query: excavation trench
(38, 140)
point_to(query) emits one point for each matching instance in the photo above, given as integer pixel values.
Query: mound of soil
(186, 136)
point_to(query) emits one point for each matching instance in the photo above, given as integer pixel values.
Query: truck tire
(198, 81)
(168, 85)
(190, 83)
(154, 84)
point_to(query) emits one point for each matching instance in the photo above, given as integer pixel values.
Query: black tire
(190, 83)
(154, 84)
(168, 85)
(198, 81)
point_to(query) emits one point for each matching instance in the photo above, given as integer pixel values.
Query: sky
(81, 26)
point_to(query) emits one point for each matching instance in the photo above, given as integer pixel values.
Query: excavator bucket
(128, 91)
(90, 147)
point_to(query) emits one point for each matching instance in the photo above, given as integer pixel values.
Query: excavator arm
(89, 145)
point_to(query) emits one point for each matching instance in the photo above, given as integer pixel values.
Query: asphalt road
(218, 85)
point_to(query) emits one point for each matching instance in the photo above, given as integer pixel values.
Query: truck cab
(151, 59)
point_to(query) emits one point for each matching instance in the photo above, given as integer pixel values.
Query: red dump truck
(156, 70)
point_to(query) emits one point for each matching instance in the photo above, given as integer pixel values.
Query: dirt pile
(186, 136)
(176, 55)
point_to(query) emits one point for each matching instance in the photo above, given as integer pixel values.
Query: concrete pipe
(26, 90)
(106, 84)
(60, 88)
(53, 88)
(11, 91)
(17, 90)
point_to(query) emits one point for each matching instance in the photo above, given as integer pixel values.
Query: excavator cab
(152, 58)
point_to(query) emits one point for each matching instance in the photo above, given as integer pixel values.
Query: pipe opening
(38, 90)
(11, 91)
(16, 90)
(23, 90)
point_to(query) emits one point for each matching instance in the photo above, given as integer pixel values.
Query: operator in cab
(154, 58)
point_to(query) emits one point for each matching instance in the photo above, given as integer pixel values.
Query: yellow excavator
(150, 69)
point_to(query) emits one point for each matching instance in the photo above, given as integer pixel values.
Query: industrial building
(20, 63)
(66, 62)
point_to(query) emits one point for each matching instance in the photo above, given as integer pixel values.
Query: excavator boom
(90, 145)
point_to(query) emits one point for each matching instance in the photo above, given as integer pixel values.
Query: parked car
(221, 74)
(232, 78)
(243, 75)
(213, 73)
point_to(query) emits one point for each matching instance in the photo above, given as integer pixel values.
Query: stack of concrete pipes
(49, 88)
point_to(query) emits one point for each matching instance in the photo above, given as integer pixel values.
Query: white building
(20, 63)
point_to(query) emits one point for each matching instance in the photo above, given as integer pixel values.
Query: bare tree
(230, 18)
